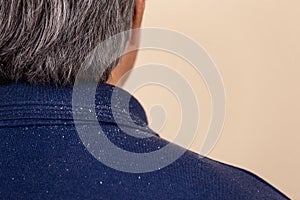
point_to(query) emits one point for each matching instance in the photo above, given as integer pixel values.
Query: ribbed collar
(23, 104)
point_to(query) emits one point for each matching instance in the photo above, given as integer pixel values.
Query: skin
(128, 60)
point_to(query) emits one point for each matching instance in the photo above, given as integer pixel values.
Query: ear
(127, 62)
(138, 13)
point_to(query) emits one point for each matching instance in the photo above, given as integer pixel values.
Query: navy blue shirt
(42, 155)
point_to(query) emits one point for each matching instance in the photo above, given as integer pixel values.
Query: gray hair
(47, 41)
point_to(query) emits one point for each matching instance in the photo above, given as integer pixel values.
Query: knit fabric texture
(43, 157)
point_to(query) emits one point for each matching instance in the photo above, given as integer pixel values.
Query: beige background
(256, 46)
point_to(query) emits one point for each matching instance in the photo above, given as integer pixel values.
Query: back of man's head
(46, 41)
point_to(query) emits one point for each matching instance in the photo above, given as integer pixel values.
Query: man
(43, 44)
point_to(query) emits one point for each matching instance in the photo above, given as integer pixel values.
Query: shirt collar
(25, 103)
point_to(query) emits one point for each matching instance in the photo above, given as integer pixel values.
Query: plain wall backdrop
(256, 46)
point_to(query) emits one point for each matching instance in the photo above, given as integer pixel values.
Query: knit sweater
(42, 155)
